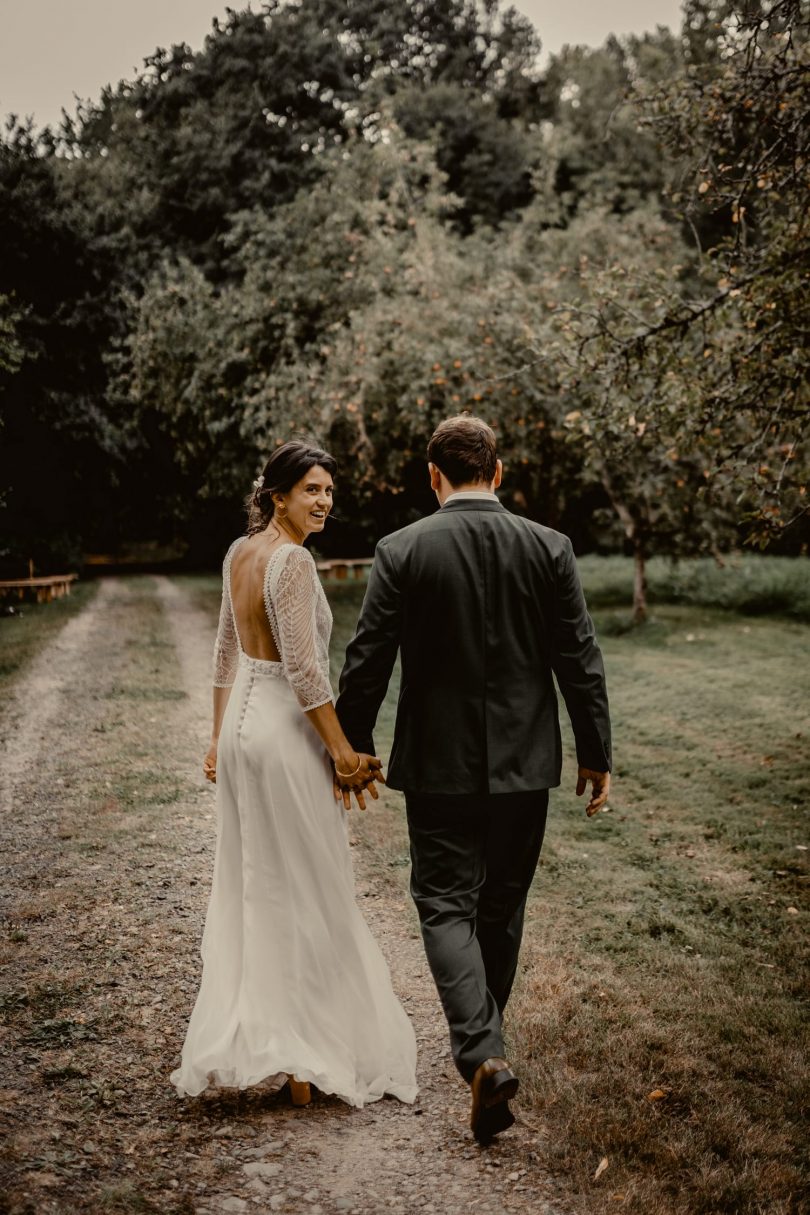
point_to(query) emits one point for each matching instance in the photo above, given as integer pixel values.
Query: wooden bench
(339, 567)
(43, 589)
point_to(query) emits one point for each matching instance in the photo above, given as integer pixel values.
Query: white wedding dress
(293, 981)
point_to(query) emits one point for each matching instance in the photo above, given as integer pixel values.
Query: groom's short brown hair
(463, 448)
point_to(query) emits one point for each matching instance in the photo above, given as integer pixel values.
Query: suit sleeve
(371, 654)
(577, 663)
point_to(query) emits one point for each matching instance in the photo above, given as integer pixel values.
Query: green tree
(353, 218)
(582, 288)
(488, 159)
(739, 116)
(601, 157)
(59, 445)
(211, 376)
(244, 123)
(436, 329)
(170, 386)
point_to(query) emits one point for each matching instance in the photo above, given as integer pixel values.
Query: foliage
(351, 219)
(246, 120)
(428, 327)
(743, 117)
(57, 439)
(220, 376)
(601, 159)
(753, 584)
(12, 352)
(169, 392)
(625, 420)
(488, 160)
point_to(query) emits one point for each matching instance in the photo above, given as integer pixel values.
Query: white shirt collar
(471, 493)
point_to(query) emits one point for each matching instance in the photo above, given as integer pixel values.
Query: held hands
(600, 782)
(210, 763)
(362, 773)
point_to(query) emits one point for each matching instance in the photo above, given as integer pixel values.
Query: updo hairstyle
(285, 468)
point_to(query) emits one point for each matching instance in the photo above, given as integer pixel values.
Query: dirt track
(108, 835)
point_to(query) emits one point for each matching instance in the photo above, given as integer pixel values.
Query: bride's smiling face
(309, 501)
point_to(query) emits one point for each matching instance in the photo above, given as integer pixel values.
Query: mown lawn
(745, 582)
(659, 1019)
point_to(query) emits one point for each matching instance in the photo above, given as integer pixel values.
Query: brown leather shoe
(300, 1092)
(493, 1085)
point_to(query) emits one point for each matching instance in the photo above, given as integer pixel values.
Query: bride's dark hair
(285, 468)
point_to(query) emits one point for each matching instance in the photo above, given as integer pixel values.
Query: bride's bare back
(248, 569)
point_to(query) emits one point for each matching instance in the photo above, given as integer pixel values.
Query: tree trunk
(631, 530)
(639, 582)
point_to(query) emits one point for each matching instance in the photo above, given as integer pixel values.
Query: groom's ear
(498, 474)
(435, 478)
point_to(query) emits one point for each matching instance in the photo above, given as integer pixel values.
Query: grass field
(746, 582)
(32, 626)
(658, 1022)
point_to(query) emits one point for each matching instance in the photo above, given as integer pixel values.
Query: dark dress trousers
(485, 608)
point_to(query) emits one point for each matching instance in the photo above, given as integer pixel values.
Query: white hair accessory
(259, 483)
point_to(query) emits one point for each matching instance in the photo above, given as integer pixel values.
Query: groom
(485, 608)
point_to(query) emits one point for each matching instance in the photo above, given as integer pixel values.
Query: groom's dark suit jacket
(483, 606)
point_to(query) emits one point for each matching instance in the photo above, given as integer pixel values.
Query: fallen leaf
(600, 1168)
(656, 1094)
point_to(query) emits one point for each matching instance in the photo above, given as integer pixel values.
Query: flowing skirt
(293, 981)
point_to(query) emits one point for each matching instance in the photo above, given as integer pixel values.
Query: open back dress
(293, 982)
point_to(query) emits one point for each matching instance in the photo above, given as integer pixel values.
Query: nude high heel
(300, 1091)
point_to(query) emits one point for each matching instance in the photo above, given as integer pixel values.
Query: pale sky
(51, 49)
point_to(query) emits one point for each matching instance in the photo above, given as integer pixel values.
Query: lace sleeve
(293, 593)
(226, 646)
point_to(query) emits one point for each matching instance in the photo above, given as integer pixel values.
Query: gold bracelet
(349, 775)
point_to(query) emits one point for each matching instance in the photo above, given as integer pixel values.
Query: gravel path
(109, 830)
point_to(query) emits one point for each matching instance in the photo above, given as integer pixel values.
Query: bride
(294, 987)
